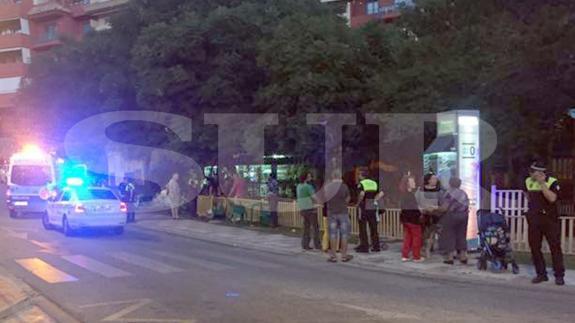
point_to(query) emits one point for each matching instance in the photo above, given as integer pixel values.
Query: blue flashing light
(74, 181)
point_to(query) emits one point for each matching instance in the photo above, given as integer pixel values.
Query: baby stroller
(494, 239)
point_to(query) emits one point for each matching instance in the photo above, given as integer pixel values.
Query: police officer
(543, 219)
(369, 194)
(127, 193)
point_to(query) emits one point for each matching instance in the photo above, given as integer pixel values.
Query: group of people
(335, 198)
(429, 211)
(425, 212)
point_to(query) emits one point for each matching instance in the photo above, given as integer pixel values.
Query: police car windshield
(95, 194)
(30, 175)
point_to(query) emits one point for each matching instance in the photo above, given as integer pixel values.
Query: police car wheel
(46, 222)
(13, 214)
(68, 232)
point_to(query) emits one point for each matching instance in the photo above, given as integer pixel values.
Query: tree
(512, 61)
(315, 64)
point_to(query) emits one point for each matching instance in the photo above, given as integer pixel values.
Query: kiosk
(455, 152)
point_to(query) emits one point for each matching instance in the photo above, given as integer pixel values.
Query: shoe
(464, 262)
(559, 281)
(404, 259)
(448, 262)
(307, 248)
(375, 250)
(539, 279)
(361, 249)
(420, 260)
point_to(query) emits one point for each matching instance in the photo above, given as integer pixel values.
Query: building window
(372, 7)
(51, 32)
(87, 27)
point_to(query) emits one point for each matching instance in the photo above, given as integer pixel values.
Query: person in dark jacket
(411, 219)
(429, 197)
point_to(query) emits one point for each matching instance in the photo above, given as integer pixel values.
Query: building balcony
(49, 9)
(386, 14)
(15, 40)
(7, 101)
(10, 9)
(97, 7)
(45, 42)
(12, 69)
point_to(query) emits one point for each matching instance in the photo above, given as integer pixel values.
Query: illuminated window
(372, 7)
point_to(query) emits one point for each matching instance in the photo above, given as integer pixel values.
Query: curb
(32, 298)
(367, 265)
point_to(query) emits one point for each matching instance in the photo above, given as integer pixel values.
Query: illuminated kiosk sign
(455, 152)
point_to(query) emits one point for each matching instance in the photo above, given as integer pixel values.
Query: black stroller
(495, 242)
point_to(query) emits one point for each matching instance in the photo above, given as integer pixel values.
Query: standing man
(337, 200)
(273, 196)
(305, 192)
(543, 219)
(127, 194)
(368, 198)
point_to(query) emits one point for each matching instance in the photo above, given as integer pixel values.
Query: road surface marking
(45, 271)
(244, 261)
(135, 305)
(48, 247)
(145, 262)
(15, 234)
(96, 266)
(195, 261)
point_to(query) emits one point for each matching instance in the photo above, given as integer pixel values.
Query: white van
(29, 173)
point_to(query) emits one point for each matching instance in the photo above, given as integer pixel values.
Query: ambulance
(30, 172)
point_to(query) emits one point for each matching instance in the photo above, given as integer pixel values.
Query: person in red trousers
(411, 219)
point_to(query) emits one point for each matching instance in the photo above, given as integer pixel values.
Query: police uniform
(543, 221)
(367, 215)
(127, 191)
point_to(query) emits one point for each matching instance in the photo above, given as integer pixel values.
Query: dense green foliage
(513, 60)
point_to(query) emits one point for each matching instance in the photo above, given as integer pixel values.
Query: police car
(77, 207)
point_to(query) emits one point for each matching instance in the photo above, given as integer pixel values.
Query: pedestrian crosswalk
(145, 262)
(55, 269)
(45, 271)
(95, 266)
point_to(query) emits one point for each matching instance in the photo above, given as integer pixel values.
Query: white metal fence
(513, 204)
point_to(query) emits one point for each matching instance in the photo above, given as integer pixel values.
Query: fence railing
(288, 215)
(513, 204)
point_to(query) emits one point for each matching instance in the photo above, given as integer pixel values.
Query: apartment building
(360, 12)
(28, 27)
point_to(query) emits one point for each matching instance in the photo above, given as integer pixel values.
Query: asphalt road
(144, 276)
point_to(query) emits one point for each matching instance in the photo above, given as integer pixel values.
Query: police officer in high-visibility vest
(369, 195)
(543, 220)
(127, 194)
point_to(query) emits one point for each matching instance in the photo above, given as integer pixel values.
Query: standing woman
(455, 215)
(174, 195)
(411, 219)
(428, 198)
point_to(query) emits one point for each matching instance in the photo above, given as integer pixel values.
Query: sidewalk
(389, 261)
(20, 303)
